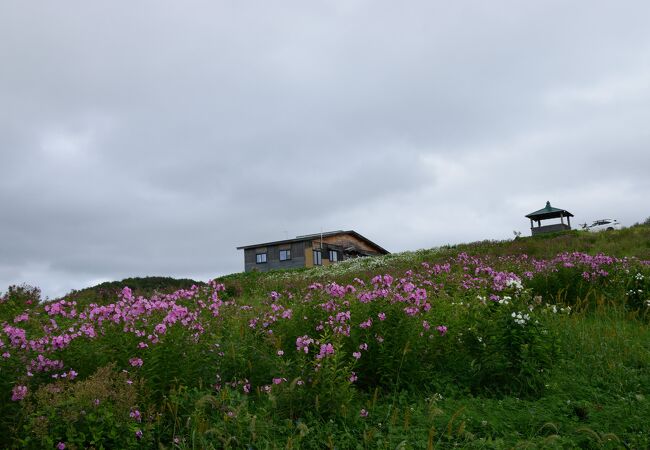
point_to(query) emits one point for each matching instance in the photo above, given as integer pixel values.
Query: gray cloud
(152, 138)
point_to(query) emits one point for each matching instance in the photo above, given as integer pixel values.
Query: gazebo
(548, 212)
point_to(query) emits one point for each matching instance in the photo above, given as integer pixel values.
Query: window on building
(334, 256)
(285, 255)
(260, 258)
(318, 258)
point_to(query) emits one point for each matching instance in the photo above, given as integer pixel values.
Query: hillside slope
(535, 343)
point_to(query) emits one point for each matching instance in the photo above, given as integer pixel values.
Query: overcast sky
(153, 137)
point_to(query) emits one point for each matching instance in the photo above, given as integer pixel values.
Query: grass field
(533, 343)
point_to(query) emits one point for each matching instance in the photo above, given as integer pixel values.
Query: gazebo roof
(548, 212)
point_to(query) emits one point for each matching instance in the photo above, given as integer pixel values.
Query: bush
(100, 411)
(17, 299)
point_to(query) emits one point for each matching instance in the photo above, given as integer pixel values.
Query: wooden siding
(554, 228)
(273, 257)
(347, 240)
(309, 256)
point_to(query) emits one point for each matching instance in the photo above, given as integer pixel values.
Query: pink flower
(325, 350)
(136, 362)
(302, 343)
(442, 330)
(411, 310)
(135, 414)
(280, 352)
(60, 446)
(138, 434)
(363, 413)
(18, 392)
(366, 324)
(357, 355)
(127, 294)
(381, 316)
(24, 317)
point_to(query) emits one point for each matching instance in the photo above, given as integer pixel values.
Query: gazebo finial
(548, 204)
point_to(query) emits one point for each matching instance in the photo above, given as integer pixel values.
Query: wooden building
(308, 251)
(548, 212)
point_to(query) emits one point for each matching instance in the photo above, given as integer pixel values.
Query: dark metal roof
(315, 236)
(548, 212)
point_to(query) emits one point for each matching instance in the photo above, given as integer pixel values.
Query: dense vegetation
(108, 291)
(538, 342)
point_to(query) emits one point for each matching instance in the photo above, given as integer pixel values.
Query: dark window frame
(318, 257)
(287, 254)
(261, 258)
(334, 253)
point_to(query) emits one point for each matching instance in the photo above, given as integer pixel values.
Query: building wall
(554, 228)
(309, 253)
(309, 256)
(273, 257)
(302, 252)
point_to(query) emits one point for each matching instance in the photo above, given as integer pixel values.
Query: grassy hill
(140, 286)
(629, 242)
(535, 343)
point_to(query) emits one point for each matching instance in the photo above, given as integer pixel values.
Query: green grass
(597, 397)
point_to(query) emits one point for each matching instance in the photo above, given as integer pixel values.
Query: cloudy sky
(153, 137)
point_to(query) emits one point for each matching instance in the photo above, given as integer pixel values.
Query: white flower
(513, 282)
(520, 318)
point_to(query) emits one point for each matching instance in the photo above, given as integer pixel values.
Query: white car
(602, 225)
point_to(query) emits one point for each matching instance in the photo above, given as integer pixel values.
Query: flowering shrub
(15, 300)
(471, 323)
(637, 291)
(100, 410)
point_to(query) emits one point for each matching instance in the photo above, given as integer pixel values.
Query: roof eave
(264, 244)
(311, 237)
(549, 215)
